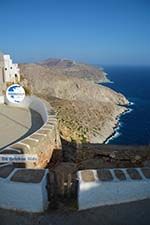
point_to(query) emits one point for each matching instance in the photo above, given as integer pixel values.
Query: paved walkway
(17, 123)
(135, 213)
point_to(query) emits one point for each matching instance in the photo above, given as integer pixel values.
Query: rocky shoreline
(116, 128)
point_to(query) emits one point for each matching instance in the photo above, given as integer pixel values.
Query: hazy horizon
(106, 32)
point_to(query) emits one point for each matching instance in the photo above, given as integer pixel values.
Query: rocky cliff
(86, 111)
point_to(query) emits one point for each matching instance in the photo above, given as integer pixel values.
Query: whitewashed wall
(29, 197)
(10, 69)
(99, 193)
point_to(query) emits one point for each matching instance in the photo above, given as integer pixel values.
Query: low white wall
(100, 193)
(34, 103)
(29, 197)
(35, 143)
(39, 107)
(32, 197)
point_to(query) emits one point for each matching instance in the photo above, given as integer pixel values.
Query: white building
(9, 72)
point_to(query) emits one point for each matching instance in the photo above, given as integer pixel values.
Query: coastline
(118, 125)
(86, 111)
(106, 79)
(114, 127)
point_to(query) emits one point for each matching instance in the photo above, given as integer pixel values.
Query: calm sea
(134, 83)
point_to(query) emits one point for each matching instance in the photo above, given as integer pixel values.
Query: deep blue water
(134, 83)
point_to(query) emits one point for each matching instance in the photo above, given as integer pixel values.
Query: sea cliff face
(86, 111)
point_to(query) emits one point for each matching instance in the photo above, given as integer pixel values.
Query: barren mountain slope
(73, 69)
(86, 111)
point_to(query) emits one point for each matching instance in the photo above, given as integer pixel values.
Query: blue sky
(94, 31)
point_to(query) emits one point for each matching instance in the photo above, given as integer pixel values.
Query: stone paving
(104, 175)
(146, 172)
(6, 170)
(28, 176)
(119, 174)
(87, 176)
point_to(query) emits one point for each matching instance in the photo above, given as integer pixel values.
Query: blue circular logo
(15, 93)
